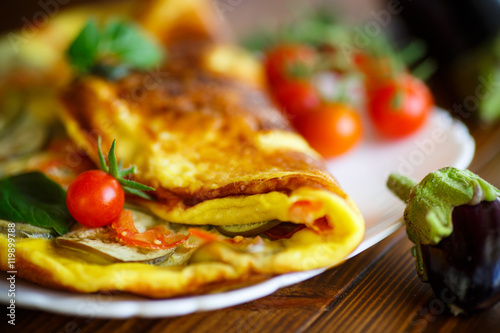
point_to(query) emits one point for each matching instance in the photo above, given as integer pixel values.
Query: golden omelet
(203, 132)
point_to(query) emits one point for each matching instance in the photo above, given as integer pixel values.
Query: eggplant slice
(102, 242)
(25, 230)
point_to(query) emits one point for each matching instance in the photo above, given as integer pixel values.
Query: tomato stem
(116, 171)
(102, 162)
(425, 69)
(397, 100)
(113, 167)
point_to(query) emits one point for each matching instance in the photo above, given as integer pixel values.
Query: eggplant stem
(401, 186)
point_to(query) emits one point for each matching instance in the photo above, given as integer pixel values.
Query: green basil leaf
(35, 199)
(83, 51)
(119, 44)
(130, 44)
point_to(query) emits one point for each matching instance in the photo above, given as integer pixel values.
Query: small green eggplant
(453, 218)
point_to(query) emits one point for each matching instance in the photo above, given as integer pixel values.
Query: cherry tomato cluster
(330, 128)
(397, 103)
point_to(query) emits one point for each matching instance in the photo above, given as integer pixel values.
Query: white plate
(362, 173)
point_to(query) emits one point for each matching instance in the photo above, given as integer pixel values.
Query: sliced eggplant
(102, 242)
(25, 230)
(247, 230)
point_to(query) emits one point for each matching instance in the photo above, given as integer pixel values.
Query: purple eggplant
(453, 218)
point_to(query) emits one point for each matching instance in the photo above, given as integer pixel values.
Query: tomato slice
(304, 211)
(204, 235)
(157, 238)
(321, 225)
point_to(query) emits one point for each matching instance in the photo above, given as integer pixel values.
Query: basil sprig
(116, 170)
(35, 199)
(113, 49)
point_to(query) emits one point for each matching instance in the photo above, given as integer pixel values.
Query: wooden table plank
(391, 285)
(391, 298)
(487, 145)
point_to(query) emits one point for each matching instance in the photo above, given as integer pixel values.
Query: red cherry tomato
(279, 62)
(95, 198)
(331, 129)
(399, 108)
(297, 97)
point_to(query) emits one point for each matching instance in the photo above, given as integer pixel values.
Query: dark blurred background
(458, 33)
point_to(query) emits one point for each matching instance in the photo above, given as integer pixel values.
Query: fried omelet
(203, 132)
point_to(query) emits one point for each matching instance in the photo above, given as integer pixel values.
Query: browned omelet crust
(217, 122)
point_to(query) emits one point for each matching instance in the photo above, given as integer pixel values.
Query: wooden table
(376, 291)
